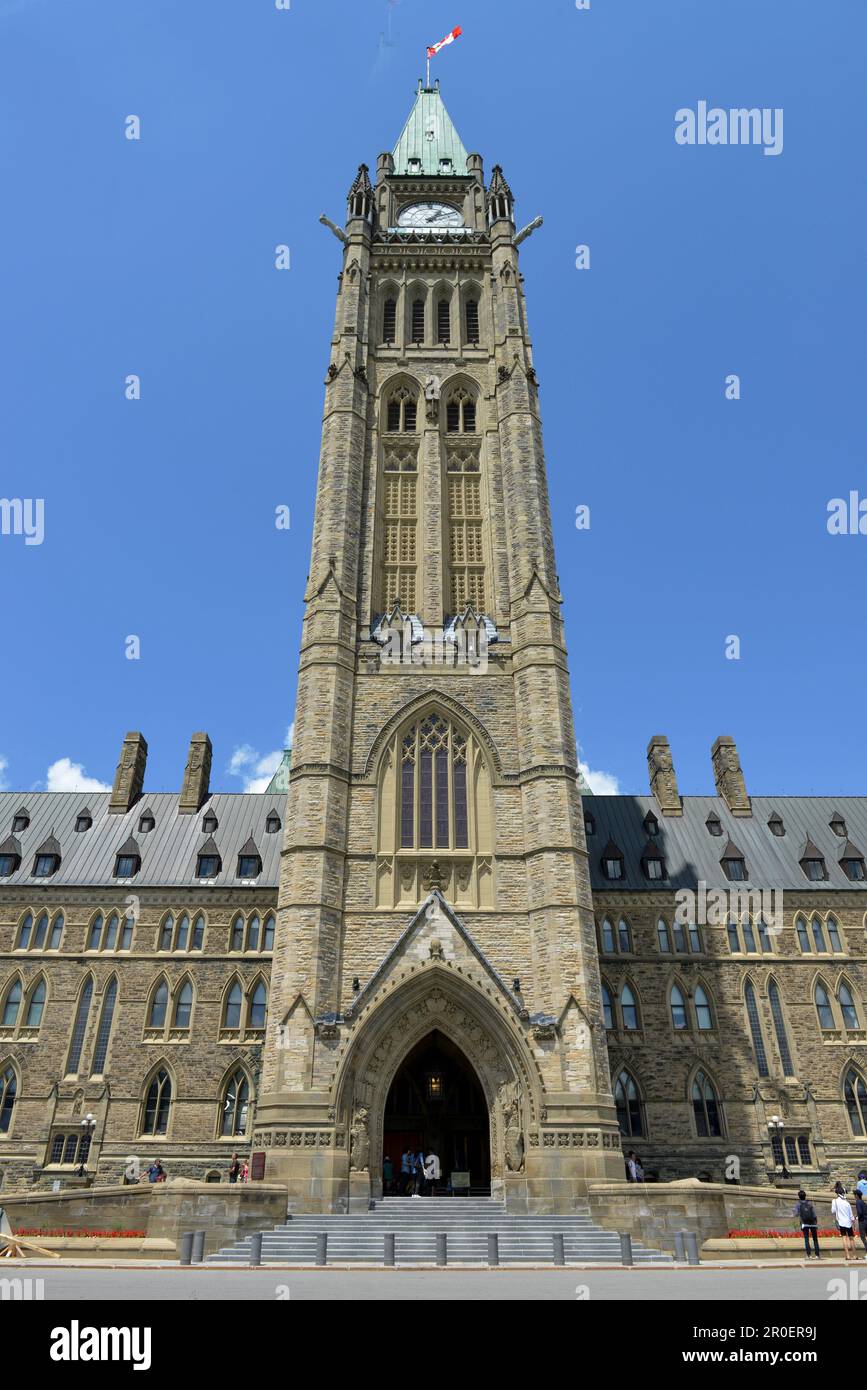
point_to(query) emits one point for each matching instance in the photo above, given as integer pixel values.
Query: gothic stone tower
(434, 896)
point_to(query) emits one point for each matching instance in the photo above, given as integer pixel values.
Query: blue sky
(156, 257)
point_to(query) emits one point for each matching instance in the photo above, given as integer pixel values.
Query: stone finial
(129, 777)
(729, 777)
(197, 775)
(663, 781)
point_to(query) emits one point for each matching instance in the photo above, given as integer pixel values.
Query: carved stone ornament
(513, 1134)
(359, 1140)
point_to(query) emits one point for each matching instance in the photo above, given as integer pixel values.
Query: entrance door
(436, 1105)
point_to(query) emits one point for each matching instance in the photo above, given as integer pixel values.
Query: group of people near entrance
(417, 1177)
(844, 1217)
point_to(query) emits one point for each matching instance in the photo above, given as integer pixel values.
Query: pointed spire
(429, 143)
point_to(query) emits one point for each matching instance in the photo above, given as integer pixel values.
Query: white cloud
(67, 776)
(600, 783)
(4, 764)
(257, 770)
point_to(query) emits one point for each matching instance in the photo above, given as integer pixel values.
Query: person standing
(405, 1173)
(234, 1168)
(809, 1224)
(861, 1184)
(418, 1174)
(387, 1175)
(861, 1215)
(156, 1172)
(842, 1213)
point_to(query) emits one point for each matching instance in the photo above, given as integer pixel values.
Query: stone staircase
(415, 1222)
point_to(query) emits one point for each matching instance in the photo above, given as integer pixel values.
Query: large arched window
(258, 1006)
(607, 1007)
(79, 1027)
(183, 1009)
(785, 1051)
(35, 1005)
(159, 1006)
(103, 1036)
(628, 1103)
(158, 1104)
(11, 1004)
(8, 1092)
(433, 786)
(823, 1008)
(234, 1006)
(234, 1105)
(848, 1009)
(460, 411)
(703, 1010)
(756, 1029)
(628, 1009)
(401, 410)
(677, 1005)
(400, 499)
(855, 1096)
(705, 1107)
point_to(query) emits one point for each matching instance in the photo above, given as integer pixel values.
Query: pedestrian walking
(861, 1217)
(809, 1225)
(234, 1168)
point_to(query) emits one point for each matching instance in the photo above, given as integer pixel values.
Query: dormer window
(851, 862)
(146, 823)
(612, 862)
(813, 864)
(249, 860)
(776, 827)
(653, 862)
(83, 821)
(47, 859)
(10, 856)
(838, 825)
(446, 166)
(714, 824)
(589, 824)
(651, 824)
(734, 865)
(20, 821)
(413, 166)
(208, 862)
(128, 860)
(272, 824)
(209, 823)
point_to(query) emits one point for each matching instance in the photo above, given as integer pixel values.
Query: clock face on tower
(432, 215)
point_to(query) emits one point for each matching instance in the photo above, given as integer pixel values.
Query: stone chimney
(663, 781)
(129, 777)
(729, 777)
(197, 776)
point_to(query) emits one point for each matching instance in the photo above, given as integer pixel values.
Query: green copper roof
(430, 137)
(279, 783)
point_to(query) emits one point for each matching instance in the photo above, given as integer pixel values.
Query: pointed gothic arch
(853, 1090)
(399, 1017)
(236, 1102)
(10, 1091)
(158, 1096)
(705, 1097)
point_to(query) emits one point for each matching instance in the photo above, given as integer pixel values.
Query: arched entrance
(436, 1105)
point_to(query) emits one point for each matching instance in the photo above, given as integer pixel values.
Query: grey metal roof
(168, 853)
(693, 854)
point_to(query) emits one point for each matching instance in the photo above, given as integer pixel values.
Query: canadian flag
(449, 38)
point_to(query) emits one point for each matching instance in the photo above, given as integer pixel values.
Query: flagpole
(427, 84)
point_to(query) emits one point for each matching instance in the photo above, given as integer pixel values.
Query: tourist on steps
(842, 1213)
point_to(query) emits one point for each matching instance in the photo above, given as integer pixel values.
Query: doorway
(436, 1105)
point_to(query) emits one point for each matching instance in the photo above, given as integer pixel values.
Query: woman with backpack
(809, 1224)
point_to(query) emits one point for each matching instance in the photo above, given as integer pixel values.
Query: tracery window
(628, 1103)
(461, 412)
(855, 1096)
(235, 1103)
(705, 1106)
(433, 786)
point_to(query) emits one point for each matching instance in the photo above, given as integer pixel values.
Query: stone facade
(441, 872)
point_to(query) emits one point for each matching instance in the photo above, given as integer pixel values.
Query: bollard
(493, 1248)
(691, 1247)
(679, 1252)
(559, 1253)
(256, 1248)
(186, 1247)
(626, 1248)
(322, 1248)
(442, 1248)
(198, 1247)
(388, 1256)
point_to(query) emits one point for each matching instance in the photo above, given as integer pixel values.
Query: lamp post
(88, 1125)
(776, 1125)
